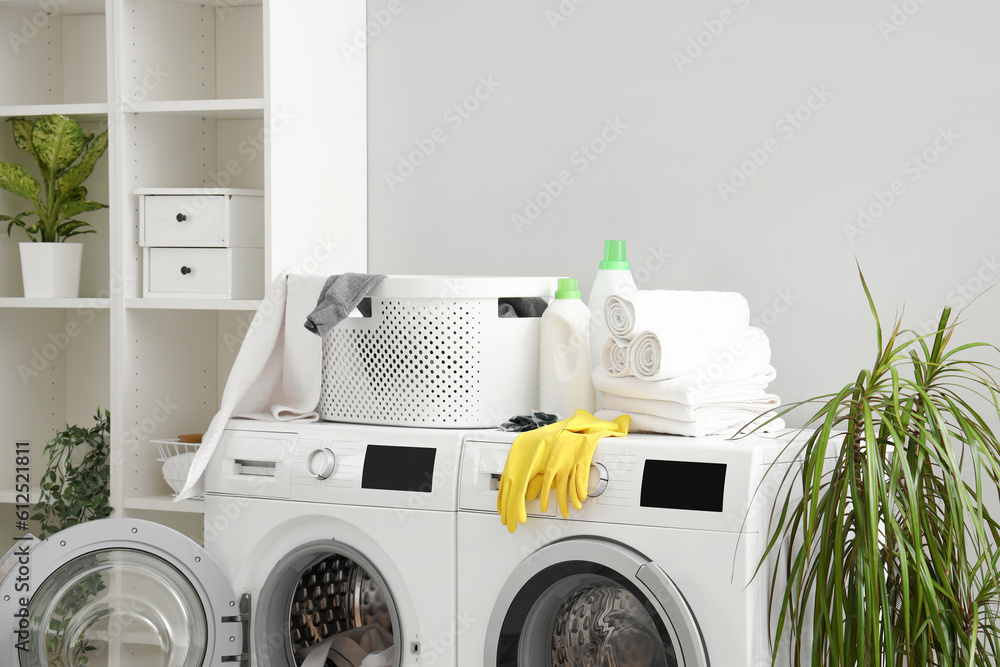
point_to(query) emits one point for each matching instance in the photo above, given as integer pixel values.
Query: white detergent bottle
(614, 277)
(564, 383)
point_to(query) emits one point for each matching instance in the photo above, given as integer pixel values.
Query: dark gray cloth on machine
(340, 296)
(529, 306)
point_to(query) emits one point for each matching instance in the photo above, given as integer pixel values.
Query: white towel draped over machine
(277, 373)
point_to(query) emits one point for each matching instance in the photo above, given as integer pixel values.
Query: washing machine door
(117, 592)
(585, 602)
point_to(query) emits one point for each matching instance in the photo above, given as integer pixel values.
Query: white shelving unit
(250, 94)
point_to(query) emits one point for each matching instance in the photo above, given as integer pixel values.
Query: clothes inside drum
(338, 610)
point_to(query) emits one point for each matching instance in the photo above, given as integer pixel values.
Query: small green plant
(892, 552)
(66, 156)
(75, 488)
(76, 484)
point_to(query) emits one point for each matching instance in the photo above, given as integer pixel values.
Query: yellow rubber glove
(569, 461)
(525, 462)
(523, 473)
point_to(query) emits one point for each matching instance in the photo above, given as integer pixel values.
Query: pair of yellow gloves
(557, 456)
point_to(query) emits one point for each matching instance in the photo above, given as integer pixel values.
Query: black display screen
(683, 485)
(391, 468)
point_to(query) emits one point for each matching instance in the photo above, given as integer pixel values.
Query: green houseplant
(892, 556)
(75, 488)
(66, 157)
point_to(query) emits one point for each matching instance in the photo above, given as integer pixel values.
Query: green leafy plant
(75, 486)
(66, 156)
(892, 556)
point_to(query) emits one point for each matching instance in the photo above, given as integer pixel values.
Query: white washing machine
(311, 531)
(656, 570)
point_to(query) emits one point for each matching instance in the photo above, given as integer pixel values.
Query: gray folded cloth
(338, 299)
(529, 306)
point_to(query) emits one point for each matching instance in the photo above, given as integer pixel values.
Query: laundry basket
(176, 457)
(435, 353)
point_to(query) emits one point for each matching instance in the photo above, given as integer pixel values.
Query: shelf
(217, 3)
(84, 302)
(192, 304)
(165, 504)
(88, 111)
(66, 8)
(228, 109)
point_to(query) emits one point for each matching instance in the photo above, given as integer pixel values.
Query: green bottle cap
(614, 257)
(567, 289)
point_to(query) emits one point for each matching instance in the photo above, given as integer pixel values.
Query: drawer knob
(185, 270)
(181, 217)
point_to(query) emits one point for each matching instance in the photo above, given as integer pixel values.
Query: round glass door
(582, 614)
(116, 604)
(118, 593)
(586, 602)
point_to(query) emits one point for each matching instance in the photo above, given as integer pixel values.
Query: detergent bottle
(564, 383)
(613, 277)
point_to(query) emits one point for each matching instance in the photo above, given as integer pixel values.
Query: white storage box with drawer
(202, 242)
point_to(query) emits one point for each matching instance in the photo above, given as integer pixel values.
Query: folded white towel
(691, 389)
(724, 355)
(614, 357)
(744, 410)
(641, 423)
(660, 310)
(276, 375)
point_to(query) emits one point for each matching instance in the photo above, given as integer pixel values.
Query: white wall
(782, 233)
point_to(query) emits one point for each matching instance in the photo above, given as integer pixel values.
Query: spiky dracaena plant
(892, 556)
(66, 157)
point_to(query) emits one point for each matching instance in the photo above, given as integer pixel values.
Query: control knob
(598, 482)
(321, 463)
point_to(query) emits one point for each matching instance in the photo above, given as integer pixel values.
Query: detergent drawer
(252, 463)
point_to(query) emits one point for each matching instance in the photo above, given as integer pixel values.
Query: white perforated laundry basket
(435, 353)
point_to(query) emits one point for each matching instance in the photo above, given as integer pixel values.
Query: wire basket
(176, 457)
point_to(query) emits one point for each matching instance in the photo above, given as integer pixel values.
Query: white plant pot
(51, 269)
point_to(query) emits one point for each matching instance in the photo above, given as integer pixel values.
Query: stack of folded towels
(685, 363)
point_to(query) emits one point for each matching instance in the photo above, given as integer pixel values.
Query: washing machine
(656, 570)
(312, 532)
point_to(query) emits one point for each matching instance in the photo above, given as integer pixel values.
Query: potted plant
(66, 156)
(891, 552)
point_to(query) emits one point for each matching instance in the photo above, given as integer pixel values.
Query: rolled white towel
(723, 355)
(642, 423)
(658, 310)
(692, 389)
(744, 410)
(614, 357)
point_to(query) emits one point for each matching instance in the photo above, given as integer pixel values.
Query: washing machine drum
(603, 623)
(326, 603)
(609, 608)
(337, 596)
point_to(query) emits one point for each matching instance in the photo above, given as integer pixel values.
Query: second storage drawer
(210, 273)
